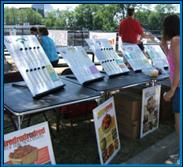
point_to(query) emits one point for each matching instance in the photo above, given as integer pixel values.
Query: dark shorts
(176, 101)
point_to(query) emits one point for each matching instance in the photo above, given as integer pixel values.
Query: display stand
(157, 56)
(33, 64)
(135, 57)
(83, 68)
(108, 58)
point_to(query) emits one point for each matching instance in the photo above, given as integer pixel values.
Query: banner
(150, 110)
(106, 131)
(33, 63)
(157, 56)
(110, 36)
(60, 37)
(79, 62)
(31, 145)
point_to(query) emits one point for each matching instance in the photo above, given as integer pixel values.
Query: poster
(107, 56)
(32, 63)
(157, 56)
(110, 36)
(60, 37)
(31, 145)
(106, 131)
(135, 57)
(81, 65)
(150, 110)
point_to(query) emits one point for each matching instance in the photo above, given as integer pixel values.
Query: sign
(135, 57)
(60, 37)
(150, 110)
(110, 36)
(33, 64)
(157, 56)
(108, 58)
(81, 65)
(31, 145)
(106, 131)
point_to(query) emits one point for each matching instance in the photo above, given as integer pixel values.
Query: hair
(43, 31)
(130, 11)
(171, 27)
(33, 29)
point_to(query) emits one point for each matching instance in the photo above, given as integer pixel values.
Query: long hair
(171, 27)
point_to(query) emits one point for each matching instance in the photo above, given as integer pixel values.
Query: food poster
(32, 63)
(106, 131)
(111, 37)
(150, 110)
(60, 37)
(79, 62)
(135, 57)
(107, 56)
(157, 56)
(31, 145)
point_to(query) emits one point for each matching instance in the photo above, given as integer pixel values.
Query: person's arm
(175, 47)
(164, 45)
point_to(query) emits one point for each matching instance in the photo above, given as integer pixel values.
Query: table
(118, 82)
(19, 101)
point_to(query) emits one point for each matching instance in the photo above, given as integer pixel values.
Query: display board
(108, 58)
(110, 36)
(106, 131)
(81, 65)
(135, 57)
(60, 37)
(31, 145)
(150, 110)
(157, 56)
(33, 64)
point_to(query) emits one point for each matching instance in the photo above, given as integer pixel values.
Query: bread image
(24, 155)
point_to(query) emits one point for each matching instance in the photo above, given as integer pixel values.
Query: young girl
(171, 34)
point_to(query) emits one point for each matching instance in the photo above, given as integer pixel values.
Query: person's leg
(177, 124)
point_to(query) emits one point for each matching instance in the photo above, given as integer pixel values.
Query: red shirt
(129, 30)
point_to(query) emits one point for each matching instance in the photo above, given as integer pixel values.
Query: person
(48, 46)
(34, 31)
(170, 43)
(131, 31)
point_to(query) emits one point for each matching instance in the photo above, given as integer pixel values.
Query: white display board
(106, 131)
(60, 37)
(81, 65)
(150, 110)
(108, 58)
(157, 56)
(135, 57)
(33, 64)
(31, 145)
(110, 36)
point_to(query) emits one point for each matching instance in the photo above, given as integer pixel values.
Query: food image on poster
(107, 56)
(106, 131)
(33, 64)
(150, 110)
(157, 56)
(31, 145)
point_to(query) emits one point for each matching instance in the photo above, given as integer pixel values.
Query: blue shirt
(49, 48)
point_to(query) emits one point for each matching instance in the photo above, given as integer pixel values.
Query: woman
(48, 46)
(171, 34)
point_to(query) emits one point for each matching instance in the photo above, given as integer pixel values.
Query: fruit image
(103, 144)
(106, 122)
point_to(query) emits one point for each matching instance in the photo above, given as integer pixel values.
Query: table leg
(19, 122)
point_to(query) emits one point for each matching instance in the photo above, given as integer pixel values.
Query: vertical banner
(150, 110)
(31, 145)
(106, 131)
(60, 37)
(110, 36)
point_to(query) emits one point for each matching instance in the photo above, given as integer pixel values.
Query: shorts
(176, 101)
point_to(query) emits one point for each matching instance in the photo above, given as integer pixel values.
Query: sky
(66, 6)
